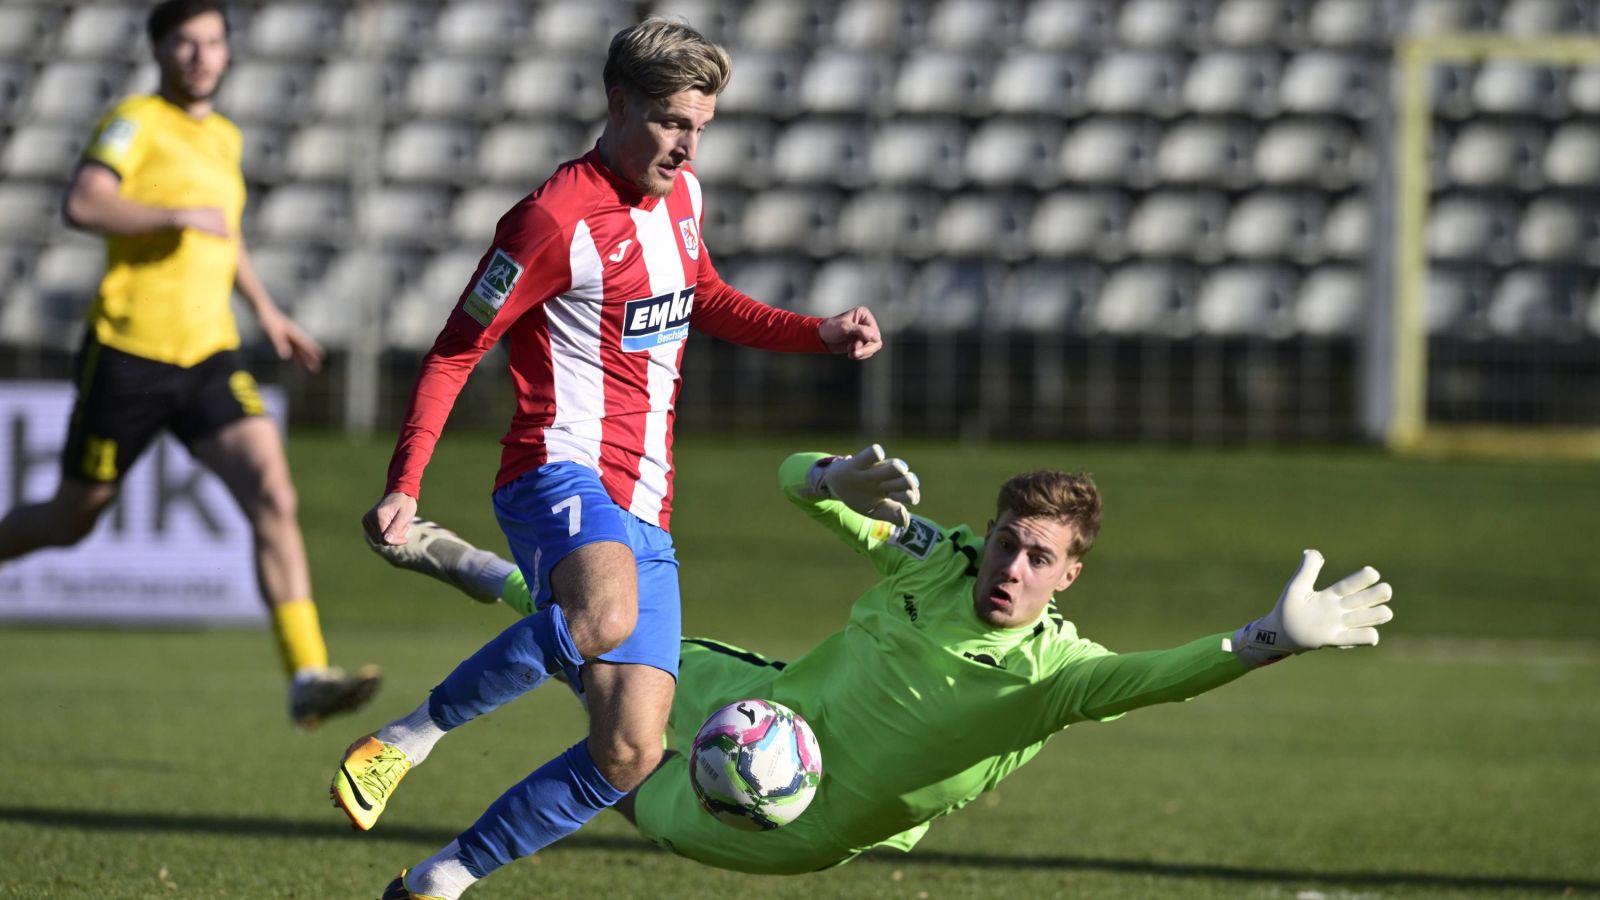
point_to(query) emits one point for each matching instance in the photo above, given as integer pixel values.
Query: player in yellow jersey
(161, 182)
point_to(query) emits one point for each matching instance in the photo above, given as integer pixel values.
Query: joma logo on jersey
(916, 539)
(493, 287)
(655, 321)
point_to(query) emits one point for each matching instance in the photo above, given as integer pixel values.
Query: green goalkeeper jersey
(919, 706)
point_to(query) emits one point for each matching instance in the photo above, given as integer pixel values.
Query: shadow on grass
(433, 837)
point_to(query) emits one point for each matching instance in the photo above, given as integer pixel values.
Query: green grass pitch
(1458, 759)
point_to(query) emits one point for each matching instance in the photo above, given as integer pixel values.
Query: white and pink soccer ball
(755, 765)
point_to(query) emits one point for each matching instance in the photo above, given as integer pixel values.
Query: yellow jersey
(167, 295)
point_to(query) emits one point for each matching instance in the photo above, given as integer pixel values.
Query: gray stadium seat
(527, 153)
(1555, 229)
(288, 271)
(404, 216)
(877, 25)
(919, 151)
(781, 281)
(1005, 152)
(464, 88)
(28, 209)
(940, 81)
(1067, 24)
(1325, 82)
(1516, 88)
(1255, 23)
(75, 91)
(1572, 158)
(1348, 23)
(14, 78)
(736, 152)
(394, 28)
(1145, 298)
(1454, 299)
(1178, 224)
(43, 152)
(21, 322)
(478, 210)
(266, 91)
(1451, 89)
(974, 24)
(1046, 298)
(1053, 84)
(1237, 82)
(1273, 225)
(549, 85)
(1492, 153)
(952, 295)
(1332, 302)
(325, 151)
(565, 25)
(781, 25)
(792, 220)
(1543, 17)
(1347, 231)
(902, 223)
(1471, 229)
(26, 29)
(722, 222)
(1433, 17)
(66, 276)
(1146, 82)
(354, 90)
(145, 79)
(329, 310)
(304, 214)
(430, 151)
(1080, 224)
(843, 81)
(1323, 152)
(716, 19)
(847, 282)
(266, 148)
(1533, 303)
(821, 151)
(1111, 151)
(423, 307)
(768, 84)
(1247, 300)
(476, 27)
(104, 31)
(989, 224)
(1583, 89)
(296, 30)
(1158, 23)
(1206, 151)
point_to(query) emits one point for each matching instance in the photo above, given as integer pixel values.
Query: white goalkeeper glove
(873, 486)
(1344, 614)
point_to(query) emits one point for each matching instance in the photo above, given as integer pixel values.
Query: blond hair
(659, 57)
(1069, 498)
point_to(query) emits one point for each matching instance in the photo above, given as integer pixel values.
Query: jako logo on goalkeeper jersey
(652, 322)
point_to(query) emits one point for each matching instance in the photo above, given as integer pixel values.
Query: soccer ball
(755, 765)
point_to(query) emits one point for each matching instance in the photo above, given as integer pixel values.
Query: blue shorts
(561, 506)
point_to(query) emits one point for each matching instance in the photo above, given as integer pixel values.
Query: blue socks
(546, 806)
(515, 662)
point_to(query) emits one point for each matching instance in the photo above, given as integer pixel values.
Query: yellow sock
(299, 635)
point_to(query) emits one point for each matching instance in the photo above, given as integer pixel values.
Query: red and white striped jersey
(594, 287)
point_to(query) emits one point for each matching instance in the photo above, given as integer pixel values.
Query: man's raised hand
(1344, 614)
(870, 484)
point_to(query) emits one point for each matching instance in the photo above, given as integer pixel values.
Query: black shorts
(125, 400)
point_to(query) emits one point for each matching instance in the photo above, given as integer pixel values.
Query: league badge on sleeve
(493, 288)
(689, 231)
(917, 539)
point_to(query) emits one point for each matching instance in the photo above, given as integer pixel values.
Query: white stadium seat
(940, 81)
(792, 220)
(1053, 84)
(974, 24)
(1583, 89)
(1238, 82)
(358, 89)
(75, 91)
(28, 210)
(304, 214)
(1206, 151)
(1471, 229)
(1148, 298)
(1495, 154)
(736, 152)
(842, 81)
(1517, 88)
(1453, 299)
(330, 310)
(26, 29)
(1080, 224)
(1178, 224)
(1255, 23)
(422, 309)
(1158, 23)
(994, 225)
(781, 281)
(1004, 152)
(1533, 303)
(296, 30)
(21, 320)
(430, 151)
(266, 91)
(43, 152)
(1347, 231)
(952, 295)
(465, 88)
(477, 27)
(1325, 82)
(1323, 152)
(67, 275)
(325, 151)
(1147, 82)
(847, 282)
(919, 151)
(820, 151)
(1555, 229)
(722, 222)
(564, 26)
(716, 19)
(550, 85)
(1247, 300)
(1111, 151)
(104, 31)
(1433, 17)
(394, 28)
(888, 221)
(1332, 302)
(1347, 23)
(1546, 17)
(877, 25)
(288, 270)
(780, 25)
(478, 210)
(1572, 158)
(404, 216)
(1046, 298)
(528, 152)
(1067, 24)
(768, 84)
(1273, 225)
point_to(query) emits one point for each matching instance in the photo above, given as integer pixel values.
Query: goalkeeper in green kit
(960, 647)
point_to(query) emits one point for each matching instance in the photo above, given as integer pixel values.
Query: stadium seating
(75, 91)
(296, 30)
(1275, 225)
(919, 152)
(1067, 24)
(736, 152)
(1145, 298)
(1332, 302)
(1046, 297)
(43, 152)
(104, 31)
(26, 29)
(1533, 302)
(782, 281)
(1119, 151)
(890, 222)
(1080, 224)
(257, 90)
(1246, 300)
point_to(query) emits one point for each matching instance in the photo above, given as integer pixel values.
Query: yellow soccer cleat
(397, 890)
(331, 693)
(367, 776)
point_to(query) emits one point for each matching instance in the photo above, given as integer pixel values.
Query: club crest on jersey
(656, 321)
(690, 232)
(493, 287)
(916, 539)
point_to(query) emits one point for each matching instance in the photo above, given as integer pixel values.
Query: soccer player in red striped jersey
(594, 280)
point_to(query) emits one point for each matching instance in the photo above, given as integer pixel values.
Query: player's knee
(275, 503)
(626, 762)
(600, 627)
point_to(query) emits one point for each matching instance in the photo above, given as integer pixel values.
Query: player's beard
(176, 87)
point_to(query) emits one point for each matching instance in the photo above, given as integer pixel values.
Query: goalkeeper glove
(873, 486)
(1341, 615)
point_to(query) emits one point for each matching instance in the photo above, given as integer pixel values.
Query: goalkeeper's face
(193, 57)
(1026, 561)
